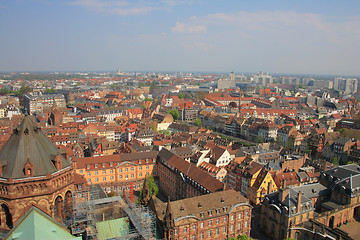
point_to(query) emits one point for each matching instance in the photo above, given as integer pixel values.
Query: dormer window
(28, 169)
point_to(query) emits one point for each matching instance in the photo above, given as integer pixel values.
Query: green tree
(174, 113)
(23, 89)
(198, 122)
(289, 144)
(153, 188)
(239, 237)
(351, 162)
(147, 99)
(49, 90)
(181, 95)
(335, 161)
(260, 139)
(153, 127)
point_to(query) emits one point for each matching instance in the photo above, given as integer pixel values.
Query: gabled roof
(190, 170)
(28, 143)
(36, 224)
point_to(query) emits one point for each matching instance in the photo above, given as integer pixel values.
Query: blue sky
(320, 37)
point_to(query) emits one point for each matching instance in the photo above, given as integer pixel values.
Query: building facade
(115, 172)
(218, 215)
(33, 172)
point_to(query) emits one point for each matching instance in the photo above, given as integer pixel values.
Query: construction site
(97, 216)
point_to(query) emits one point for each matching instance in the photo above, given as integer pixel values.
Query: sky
(277, 36)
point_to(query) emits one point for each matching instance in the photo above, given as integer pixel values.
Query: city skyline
(187, 36)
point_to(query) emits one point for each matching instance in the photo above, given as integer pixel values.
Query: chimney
(283, 192)
(299, 201)
(269, 189)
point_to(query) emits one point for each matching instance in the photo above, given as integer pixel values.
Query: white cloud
(187, 28)
(119, 7)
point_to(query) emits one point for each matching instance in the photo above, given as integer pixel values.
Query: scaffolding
(86, 204)
(84, 218)
(143, 220)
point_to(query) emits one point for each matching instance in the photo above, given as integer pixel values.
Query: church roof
(36, 224)
(29, 144)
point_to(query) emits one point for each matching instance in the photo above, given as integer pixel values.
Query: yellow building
(264, 184)
(115, 172)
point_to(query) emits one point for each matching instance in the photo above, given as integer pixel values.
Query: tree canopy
(174, 113)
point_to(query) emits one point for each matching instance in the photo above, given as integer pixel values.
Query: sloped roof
(36, 224)
(28, 143)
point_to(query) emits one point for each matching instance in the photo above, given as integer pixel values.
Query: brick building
(180, 179)
(33, 172)
(219, 215)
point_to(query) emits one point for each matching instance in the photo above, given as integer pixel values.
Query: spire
(169, 221)
(145, 194)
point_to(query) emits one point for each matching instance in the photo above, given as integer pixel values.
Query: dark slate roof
(342, 141)
(350, 185)
(28, 143)
(342, 172)
(289, 203)
(312, 190)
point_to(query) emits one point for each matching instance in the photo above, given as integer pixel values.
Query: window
(202, 225)
(185, 229)
(175, 231)
(210, 213)
(103, 164)
(217, 231)
(140, 168)
(193, 237)
(210, 222)
(132, 169)
(120, 176)
(112, 178)
(126, 169)
(224, 230)
(81, 171)
(132, 175)
(96, 179)
(88, 173)
(111, 171)
(247, 214)
(209, 233)
(120, 170)
(246, 224)
(239, 225)
(104, 171)
(232, 217)
(217, 220)
(194, 227)
(202, 235)
(240, 216)
(104, 178)
(225, 219)
(95, 165)
(147, 167)
(126, 176)
(96, 172)
(140, 174)
(147, 174)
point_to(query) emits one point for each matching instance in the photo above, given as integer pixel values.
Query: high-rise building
(263, 79)
(35, 103)
(232, 76)
(346, 85)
